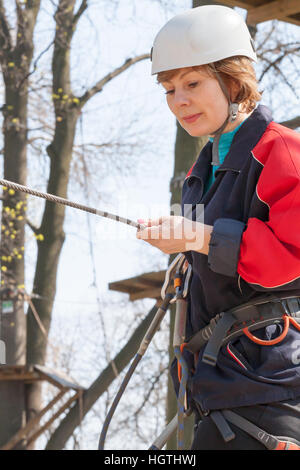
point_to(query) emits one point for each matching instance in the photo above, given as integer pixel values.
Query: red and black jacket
(254, 208)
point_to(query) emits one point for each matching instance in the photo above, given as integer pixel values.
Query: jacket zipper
(227, 169)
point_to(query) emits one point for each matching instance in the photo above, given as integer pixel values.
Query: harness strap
(214, 344)
(222, 425)
(268, 440)
(228, 325)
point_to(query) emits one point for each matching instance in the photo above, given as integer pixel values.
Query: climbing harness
(229, 325)
(66, 202)
(252, 315)
(221, 330)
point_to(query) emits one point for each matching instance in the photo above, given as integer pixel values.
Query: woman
(248, 179)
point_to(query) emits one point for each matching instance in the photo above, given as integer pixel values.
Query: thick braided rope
(66, 202)
(181, 397)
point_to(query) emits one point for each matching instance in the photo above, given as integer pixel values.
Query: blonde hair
(237, 70)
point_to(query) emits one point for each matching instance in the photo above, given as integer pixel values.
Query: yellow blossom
(3, 268)
(11, 64)
(11, 192)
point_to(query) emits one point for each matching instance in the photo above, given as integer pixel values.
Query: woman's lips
(192, 117)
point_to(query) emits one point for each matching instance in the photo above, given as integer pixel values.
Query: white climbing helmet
(201, 36)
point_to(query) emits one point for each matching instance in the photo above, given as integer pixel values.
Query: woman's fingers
(149, 233)
(152, 222)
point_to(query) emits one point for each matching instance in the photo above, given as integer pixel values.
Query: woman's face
(197, 101)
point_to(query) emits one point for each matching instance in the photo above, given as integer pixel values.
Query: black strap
(222, 425)
(220, 418)
(214, 344)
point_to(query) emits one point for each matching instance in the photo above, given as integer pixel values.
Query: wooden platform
(266, 10)
(33, 373)
(146, 285)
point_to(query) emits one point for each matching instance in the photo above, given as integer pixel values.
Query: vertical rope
(181, 397)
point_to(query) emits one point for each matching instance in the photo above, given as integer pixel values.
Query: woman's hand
(175, 234)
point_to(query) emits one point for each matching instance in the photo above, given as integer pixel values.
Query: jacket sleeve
(266, 254)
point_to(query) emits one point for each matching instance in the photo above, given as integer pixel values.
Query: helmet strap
(233, 109)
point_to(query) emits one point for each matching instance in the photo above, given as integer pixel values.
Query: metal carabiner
(177, 263)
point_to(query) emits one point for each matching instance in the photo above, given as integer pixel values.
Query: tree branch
(100, 84)
(35, 229)
(80, 11)
(292, 123)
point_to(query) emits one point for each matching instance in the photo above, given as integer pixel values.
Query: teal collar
(225, 143)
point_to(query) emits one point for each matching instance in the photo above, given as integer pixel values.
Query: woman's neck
(232, 125)
(240, 118)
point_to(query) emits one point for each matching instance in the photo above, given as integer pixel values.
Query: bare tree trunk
(67, 110)
(60, 154)
(15, 63)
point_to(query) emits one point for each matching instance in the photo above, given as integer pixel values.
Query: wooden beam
(23, 432)
(250, 5)
(238, 3)
(153, 293)
(291, 20)
(28, 377)
(272, 11)
(34, 436)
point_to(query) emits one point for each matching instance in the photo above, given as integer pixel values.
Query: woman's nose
(180, 98)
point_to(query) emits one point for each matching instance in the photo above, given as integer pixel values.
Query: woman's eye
(191, 85)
